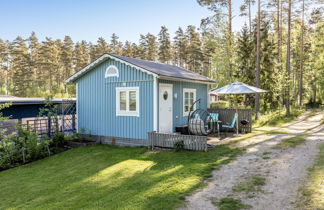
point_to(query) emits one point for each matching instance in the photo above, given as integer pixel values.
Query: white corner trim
(127, 112)
(155, 104)
(100, 59)
(189, 90)
(111, 67)
(77, 106)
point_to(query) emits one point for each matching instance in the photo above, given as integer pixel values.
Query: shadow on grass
(110, 177)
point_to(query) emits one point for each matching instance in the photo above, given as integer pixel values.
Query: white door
(165, 108)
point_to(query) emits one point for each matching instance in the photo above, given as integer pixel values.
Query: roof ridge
(158, 63)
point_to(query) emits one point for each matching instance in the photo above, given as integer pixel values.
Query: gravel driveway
(283, 169)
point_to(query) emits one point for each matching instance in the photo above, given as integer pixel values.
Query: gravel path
(283, 169)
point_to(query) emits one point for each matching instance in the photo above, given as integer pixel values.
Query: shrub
(74, 136)
(28, 143)
(58, 139)
(220, 104)
(23, 147)
(178, 146)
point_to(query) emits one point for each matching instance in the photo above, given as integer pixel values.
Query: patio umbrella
(237, 88)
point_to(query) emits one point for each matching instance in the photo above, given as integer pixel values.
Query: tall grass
(277, 117)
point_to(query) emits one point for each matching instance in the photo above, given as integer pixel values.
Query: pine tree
(128, 50)
(81, 56)
(33, 48)
(287, 102)
(50, 65)
(217, 6)
(180, 45)
(246, 11)
(115, 45)
(245, 57)
(165, 51)
(194, 53)
(151, 47)
(100, 48)
(21, 77)
(141, 50)
(257, 69)
(4, 66)
(67, 58)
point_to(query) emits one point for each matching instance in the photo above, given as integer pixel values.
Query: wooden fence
(227, 115)
(168, 140)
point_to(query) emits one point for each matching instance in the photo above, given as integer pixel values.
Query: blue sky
(90, 19)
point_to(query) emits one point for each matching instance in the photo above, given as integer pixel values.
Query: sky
(90, 19)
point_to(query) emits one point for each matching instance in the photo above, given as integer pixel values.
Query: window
(111, 71)
(189, 97)
(127, 101)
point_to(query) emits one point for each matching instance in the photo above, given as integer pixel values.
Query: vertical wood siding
(178, 86)
(97, 102)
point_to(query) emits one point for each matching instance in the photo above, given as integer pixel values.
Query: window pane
(186, 95)
(122, 100)
(132, 100)
(191, 101)
(186, 101)
(191, 95)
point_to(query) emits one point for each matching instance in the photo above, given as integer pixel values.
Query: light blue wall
(97, 102)
(178, 86)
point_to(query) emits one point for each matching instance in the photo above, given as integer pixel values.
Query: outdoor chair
(231, 125)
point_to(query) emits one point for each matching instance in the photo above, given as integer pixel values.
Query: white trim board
(189, 90)
(171, 86)
(127, 112)
(99, 60)
(155, 104)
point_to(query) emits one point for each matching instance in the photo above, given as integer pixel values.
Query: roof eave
(187, 80)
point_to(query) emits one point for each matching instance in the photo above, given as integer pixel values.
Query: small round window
(165, 95)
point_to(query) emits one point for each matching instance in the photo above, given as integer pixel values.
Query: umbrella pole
(237, 116)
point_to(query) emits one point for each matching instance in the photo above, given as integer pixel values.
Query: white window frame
(188, 90)
(127, 112)
(112, 75)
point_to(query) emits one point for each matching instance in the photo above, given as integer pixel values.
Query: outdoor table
(218, 122)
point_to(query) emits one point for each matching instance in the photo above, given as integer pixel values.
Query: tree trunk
(257, 72)
(301, 57)
(279, 31)
(230, 36)
(288, 61)
(250, 21)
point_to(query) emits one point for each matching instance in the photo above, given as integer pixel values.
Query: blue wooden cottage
(121, 98)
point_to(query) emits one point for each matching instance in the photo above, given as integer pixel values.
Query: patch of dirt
(283, 169)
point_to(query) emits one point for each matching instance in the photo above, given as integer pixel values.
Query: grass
(311, 195)
(107, 177)
(276, 118)
(230, 204)
(252, 184)
(291, 142)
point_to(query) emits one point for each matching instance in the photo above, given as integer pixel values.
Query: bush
(220, 104)
(24, 146)
(58, 139)
(178, 146)
(73, 137)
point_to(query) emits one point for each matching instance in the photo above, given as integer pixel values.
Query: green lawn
(311, 195)
(110, 177)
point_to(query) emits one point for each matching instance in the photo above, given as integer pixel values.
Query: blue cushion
(214, 116)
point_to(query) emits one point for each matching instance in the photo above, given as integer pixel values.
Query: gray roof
(164, 71)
